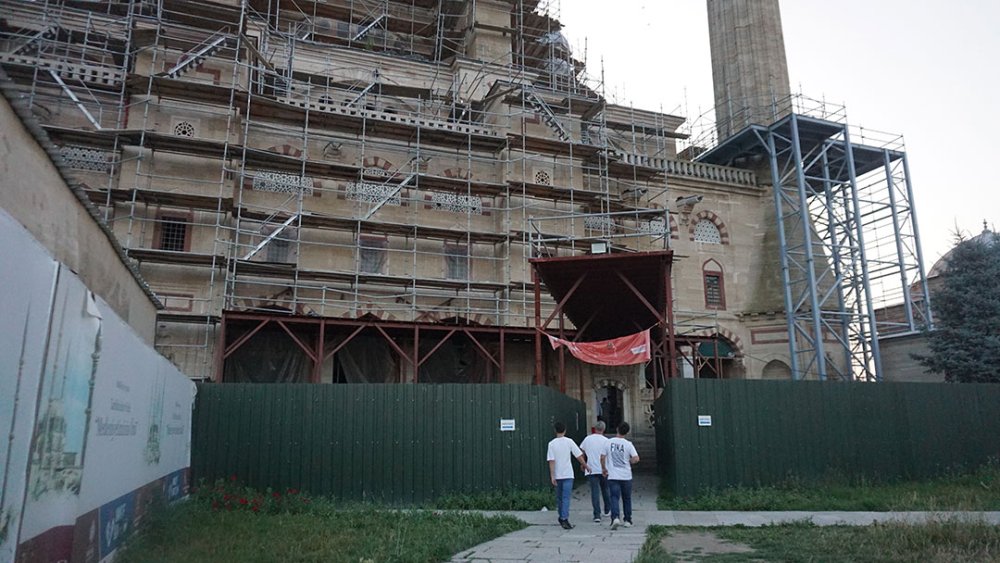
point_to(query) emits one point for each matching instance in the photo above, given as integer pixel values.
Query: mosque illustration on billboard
(61, 431)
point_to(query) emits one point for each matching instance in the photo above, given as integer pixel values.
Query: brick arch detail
(436, 317)
(286, 149)
(728, 335)
(715, 219)
(377, 162)
(279, 299)
(675, 232)
(370, 309)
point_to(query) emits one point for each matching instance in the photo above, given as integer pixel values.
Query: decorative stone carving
(368, 192)
(458, 203)
(282, 183)
(652, 227)
(82, 158)
(599, 223)
(376, 172)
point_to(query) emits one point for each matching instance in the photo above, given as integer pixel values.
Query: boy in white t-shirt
(594, 447)
(561, 450)
(617, 462)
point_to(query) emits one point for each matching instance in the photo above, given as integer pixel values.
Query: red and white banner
(622, 351)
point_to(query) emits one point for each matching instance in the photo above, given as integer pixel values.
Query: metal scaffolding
(847, 233)
(357, 159)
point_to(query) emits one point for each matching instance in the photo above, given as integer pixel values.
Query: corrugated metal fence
(391, 443)
(765, 431)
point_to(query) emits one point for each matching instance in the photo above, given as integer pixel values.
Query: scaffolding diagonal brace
(364, 31)
(389, 196)
(548, 116)
(47, 33)
(271, 237)
(197, 55)
(79, 104)
(361, 94)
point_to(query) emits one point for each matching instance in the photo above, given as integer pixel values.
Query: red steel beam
(242, 340)
(301, 344)
(420, 361)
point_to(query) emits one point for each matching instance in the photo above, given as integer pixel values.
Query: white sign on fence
(506, 424)
(704, 420)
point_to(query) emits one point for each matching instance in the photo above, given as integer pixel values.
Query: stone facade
(328, 163)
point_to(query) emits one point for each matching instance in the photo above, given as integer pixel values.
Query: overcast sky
(925, 69)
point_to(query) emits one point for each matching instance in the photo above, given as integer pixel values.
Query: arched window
(715, 286)
(706, 231)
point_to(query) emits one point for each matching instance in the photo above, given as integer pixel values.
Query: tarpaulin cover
(621, 351)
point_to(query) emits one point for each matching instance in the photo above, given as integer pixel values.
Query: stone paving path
(545, 540)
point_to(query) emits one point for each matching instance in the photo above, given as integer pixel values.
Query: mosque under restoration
(337, 191)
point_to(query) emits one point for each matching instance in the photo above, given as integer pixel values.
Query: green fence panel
(390, 443)
(764, 432)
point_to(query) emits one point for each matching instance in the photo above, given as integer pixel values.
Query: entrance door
(610, 407)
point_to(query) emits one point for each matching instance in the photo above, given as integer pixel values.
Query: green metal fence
(390, 443)
(766, 431)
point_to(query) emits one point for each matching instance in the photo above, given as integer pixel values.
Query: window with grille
(173, 233)
(456, 262)
(184, 129)
(372, 255)
(543, 177)
(706, 231)
(713, 291)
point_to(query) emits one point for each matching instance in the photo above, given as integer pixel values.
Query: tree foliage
(965, 344)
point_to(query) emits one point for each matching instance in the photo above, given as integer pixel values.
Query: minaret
(749, 71)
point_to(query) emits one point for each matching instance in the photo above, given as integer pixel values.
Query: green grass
(936, 542)
(194, 531)
(978, 490)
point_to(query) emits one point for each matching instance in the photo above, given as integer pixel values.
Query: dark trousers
(598, 491)
(621, 490)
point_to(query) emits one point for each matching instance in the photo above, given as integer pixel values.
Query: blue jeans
(563, 489)
(621, 490)
(599, 490)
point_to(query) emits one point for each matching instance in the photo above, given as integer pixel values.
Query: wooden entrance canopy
(607, 296)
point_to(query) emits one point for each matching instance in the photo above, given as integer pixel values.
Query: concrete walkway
(545, 540)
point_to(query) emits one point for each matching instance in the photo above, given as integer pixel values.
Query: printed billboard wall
(98, 423)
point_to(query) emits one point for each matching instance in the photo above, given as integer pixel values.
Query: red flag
(622, 351)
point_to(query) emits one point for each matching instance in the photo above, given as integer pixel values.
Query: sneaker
(607, 513)
(627, 524)
(597, 519)
(566, 525)
(615, 523)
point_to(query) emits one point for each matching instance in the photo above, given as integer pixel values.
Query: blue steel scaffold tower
(848, 238)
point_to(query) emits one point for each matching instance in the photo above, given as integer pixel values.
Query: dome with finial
(987, 237)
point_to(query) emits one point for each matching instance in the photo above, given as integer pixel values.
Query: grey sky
(921, 68)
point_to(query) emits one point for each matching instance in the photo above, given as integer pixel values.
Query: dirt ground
(693, 546)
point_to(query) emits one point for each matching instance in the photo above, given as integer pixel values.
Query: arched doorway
(610, 402)
(717, 359)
